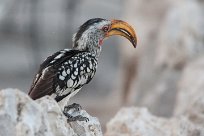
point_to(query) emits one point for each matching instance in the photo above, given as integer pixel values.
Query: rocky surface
(21, 116)
(140, 122)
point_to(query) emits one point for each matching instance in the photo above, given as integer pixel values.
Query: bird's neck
(90, 45)
(95, 51)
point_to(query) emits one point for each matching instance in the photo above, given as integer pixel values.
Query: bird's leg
(71, 118)
(75, 106)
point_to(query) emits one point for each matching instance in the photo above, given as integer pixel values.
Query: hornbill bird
(64, 73)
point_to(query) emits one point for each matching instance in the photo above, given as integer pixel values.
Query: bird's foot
(75, 106)
(71, 118)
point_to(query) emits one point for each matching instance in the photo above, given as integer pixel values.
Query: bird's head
(91, 34)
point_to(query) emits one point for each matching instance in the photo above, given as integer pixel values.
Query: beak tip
(134, 42)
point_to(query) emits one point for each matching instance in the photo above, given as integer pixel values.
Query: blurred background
(170, 36)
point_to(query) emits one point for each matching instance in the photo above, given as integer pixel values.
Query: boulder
(140, 122)
(22, 116)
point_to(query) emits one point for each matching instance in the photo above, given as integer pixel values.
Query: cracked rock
(22, 116)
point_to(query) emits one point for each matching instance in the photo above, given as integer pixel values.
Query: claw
(71, 118)
(78, 118)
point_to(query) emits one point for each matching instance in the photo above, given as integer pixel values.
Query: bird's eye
(105, 28)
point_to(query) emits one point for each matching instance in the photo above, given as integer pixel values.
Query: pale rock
(61, 127)
(22, 116)
(139, 122)
(56, 120)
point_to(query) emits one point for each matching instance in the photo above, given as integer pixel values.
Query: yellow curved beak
(119, 27)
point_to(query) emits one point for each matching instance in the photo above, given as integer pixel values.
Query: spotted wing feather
(46, 79)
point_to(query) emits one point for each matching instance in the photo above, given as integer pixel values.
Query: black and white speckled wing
(74, 73)
(46, 79)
